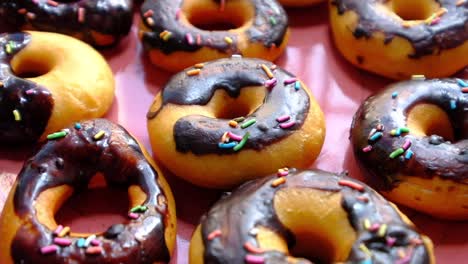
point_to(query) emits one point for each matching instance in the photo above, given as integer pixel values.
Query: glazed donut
(170, 33)
(412, 139)
(66, 165)
(193, 131)
(97, 22)
(72, 82)
(299, 3)
(315, 214)
(401, 38)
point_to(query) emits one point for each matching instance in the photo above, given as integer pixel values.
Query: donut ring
(319, 215)
(65, 165)
(99, 22)
(174, 43)
(73, 82)
(189, 122)
(412, 138)
(400, 38)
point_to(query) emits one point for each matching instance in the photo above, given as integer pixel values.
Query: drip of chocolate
(270, 24)
(201, 134)
(251, 206)
(120, 159)
(427, 39)
(433, 156)
(25, 106)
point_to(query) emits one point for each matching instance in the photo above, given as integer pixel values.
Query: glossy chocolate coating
(433, 156)
(252, 205)
(108, 17)
(201, 134)
(33, 102)
(165, 18)
(450, 32)
(120, 159)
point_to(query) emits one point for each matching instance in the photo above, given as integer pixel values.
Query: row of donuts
(396, 38)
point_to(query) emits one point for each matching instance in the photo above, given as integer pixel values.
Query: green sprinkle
(273, 21)
(397, 153)
(404, 130)
(139, 209)
(17, 115)
(239, 119)
(242, 142)
(248, 123)
(57, 135)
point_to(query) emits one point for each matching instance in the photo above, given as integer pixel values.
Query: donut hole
(429, 119)
(414, 9)
(31, 66)
(226, 107)
(208, 15)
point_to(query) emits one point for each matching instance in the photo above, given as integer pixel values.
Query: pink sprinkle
(283, 173)
(95, 242)
(52, 3)
(30, 91)
(81, 15)
(391, 241)
(374, 227)
(36, 1)
(133, 215)
(254, 259)
(284, 118)
(435, 21)
(407, 144)
(234, 136)
(198, 39)
(367, 149)
(287, 125)
(271, 83)
(189, 38)
(178, 13)
(290, 81)
(59, 228)
(64, 242)
(148, 13)
(49, 249)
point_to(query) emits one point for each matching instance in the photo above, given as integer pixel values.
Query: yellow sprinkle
(193, 72)
(64, 231)
(99, 135)
(382, 230)
(233, 123)
(441, 12)
(278, 182)
(364, 249)
(267, 71)
(407, 24)
(430, 19)
(150, 21)
(199, 65)
(17, 115)
(401, 253)
(167, 36)
(418, 77)
(228, 40)
(367, 223)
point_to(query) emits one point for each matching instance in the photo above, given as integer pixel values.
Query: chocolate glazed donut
(100, 22)
(233, 231)
(26, 106)
(416, 129)
(66, 165)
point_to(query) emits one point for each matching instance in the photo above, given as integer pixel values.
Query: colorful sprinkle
(367, 149)
(78, 126)
(225, 137)
(227, 145)
(283, 172)
(374, 227)
(234, 136)
(409, 154)
(57, 135)
(216, 233)
(99, 135)
(193, 72)
(81, 243)
(283, 118)
(81, 14)
(287, 125)
(366, 261)
(267, 71)
(248, 123)
(364, 249)
(166, 36)
(94, 250)
(64, 231)
(95, 242)
(1, 85)
(242, 142)
(8, 49)
(407, 144)
(233, 123)
(380, 127)
(435, 21)
(228, 40)
(273, 20)
(404, 130)
(239, 119)
(396, 153)
(382, 230)
(465, 90)
(252, 259)
(441, 12)
(390, 241)
(189, 39)
(253, 249)
(453, 104)
(58, 229)
(367, 223)
(395, 132)
(290, 81)
(278, 182)
(271, 83)
(376, 136)
(22, 11)
(418, 77)
(363, 199)
(178, 13)
(64, 242)
(297, 86)
(236, 56)
(199, 40)
(52, 3)
(17, 115)
(199, 65)
(133, 215)
(139, 209)
(351, 184)
(150, 21)
(462, 83)
(148, 13)
(394, 95)
(430, 19)
(460, 2)
(49, 249)
(372, 132)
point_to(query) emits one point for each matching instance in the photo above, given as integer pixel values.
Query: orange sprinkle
(22, 11)
(199, 65)
(278, 182)
(233, 123)
(193, 72)
(150, 21)
(267, 71)
(352, 185)
(214, 234)
(81, 15)
(253, 249)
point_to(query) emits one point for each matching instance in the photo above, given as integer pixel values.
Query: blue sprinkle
(376, 136)
(462, 83)
(409, 154)
(297, 86)
(367, 261)
(227, 145)
(394, 95)
(453, 104)
(81, 242)
(78, 126)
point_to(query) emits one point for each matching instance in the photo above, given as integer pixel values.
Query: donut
(180, 33)
(97, 22)
(299, 3)
(322, 216)
(224, 122)
(65, 165)
(47, 82)
(412, 141)
(401, 38)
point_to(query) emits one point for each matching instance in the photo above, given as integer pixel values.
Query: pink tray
(338, 86)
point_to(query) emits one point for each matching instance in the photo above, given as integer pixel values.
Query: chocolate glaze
(120, 159)
(164, 17)
(201, 135)
(33, 102)
(109, 17)
(450, 32)
(433, 156)
(252, 205)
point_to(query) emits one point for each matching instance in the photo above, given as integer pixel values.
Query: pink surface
(337, 85)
